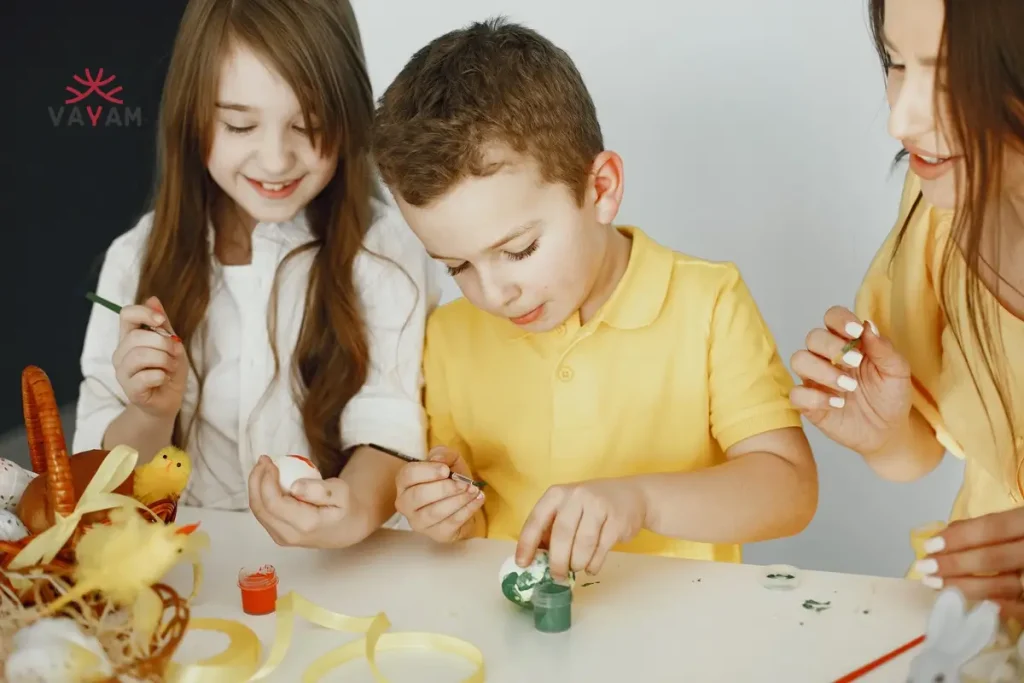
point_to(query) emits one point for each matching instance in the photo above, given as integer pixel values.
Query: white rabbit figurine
(1003, 663)
(953, 638)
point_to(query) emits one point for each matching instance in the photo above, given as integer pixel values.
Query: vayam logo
(95, 101)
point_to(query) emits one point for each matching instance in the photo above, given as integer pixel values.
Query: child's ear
(607, 185)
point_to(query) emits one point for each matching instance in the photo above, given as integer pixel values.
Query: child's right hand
(863, 401)
(152, 369)
(435, 505)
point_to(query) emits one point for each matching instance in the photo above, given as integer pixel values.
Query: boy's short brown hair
(493, 82)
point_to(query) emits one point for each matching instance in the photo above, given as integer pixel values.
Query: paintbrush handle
(97, 299)
(408, 458)
(396, 454)
(887, 657)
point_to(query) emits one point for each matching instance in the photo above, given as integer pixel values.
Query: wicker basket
(49, 457)
(166, 639)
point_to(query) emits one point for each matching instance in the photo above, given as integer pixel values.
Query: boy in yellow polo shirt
(612, 394)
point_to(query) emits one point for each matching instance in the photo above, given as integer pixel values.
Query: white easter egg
(291, 468)
(517, 583)
(43, 652)
(13, 480)
(11, 528)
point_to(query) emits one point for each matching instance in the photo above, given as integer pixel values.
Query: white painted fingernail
(932, 582)
(837, 401)
(854, 330)
(935, 544)
(874, 328)
(847, 383)
(853, 358)
(926, 566)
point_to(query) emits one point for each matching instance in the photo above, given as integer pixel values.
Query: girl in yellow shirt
(941, 364)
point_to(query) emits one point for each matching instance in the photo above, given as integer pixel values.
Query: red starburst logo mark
(94, 85)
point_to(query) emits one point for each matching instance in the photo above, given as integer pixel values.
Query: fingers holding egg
(291, 468)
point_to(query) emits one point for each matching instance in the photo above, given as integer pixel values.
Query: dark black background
(68, 191)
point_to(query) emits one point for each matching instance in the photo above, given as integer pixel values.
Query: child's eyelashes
(237, 129)
(519, 255)
(241, 130)
(511, 255)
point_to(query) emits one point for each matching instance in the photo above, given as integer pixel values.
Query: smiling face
(520, 247)
(262, 155)
(913, 35)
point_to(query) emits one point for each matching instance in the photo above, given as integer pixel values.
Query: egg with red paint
(291, 468)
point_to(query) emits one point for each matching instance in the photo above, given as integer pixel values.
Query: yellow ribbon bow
(98, 495)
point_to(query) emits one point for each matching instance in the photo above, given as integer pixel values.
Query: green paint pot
(552, 608)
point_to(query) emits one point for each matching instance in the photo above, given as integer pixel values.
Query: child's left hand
(313, 515)
(583, 521)
(983, 557)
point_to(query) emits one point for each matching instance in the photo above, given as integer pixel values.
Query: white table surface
(649, 618)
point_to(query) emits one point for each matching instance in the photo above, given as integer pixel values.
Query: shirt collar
(637, 300)
(291, 233)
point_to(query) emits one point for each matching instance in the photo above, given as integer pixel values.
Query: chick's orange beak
(187, 529)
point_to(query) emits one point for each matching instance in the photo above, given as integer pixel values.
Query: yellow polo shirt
(674, 369)
(902, 297)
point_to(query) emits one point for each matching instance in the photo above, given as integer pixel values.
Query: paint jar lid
(549, 595)
(262, 577)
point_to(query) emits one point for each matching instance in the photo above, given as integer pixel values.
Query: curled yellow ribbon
(240, 660)
(98, 495)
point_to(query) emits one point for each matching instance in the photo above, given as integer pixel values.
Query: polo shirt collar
(640, 295)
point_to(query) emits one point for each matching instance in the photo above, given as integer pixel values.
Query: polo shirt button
(560, 329)
(565, 373)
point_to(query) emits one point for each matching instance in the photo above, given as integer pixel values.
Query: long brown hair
(315, 45)
(981, 58)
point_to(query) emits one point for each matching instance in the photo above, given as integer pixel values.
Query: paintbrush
(848, 346)
(407, 458)
(97, 299)
(871, 666)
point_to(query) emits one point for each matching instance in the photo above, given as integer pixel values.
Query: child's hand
(864, 400)
(583, 522)
(435, 505)
(314, 514)
(152, 369)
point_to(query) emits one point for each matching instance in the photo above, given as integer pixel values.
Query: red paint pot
(259, 589)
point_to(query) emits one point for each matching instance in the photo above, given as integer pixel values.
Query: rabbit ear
(945, 619)
(978, 631)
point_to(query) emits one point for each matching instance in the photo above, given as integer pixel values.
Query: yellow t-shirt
(902, 297)
(674, 369)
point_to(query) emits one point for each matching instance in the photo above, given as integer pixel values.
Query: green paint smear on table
(816, 606)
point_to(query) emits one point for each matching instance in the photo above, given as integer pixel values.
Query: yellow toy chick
(123, 559)
(163, 477)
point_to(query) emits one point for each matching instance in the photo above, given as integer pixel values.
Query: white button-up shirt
(245, 411)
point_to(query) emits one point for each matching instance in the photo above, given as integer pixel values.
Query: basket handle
(46, 444)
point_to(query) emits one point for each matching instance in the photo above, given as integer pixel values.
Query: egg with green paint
(518, 583)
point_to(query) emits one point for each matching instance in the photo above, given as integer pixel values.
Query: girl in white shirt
(298, 296)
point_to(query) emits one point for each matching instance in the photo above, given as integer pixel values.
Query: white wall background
(753, 132)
